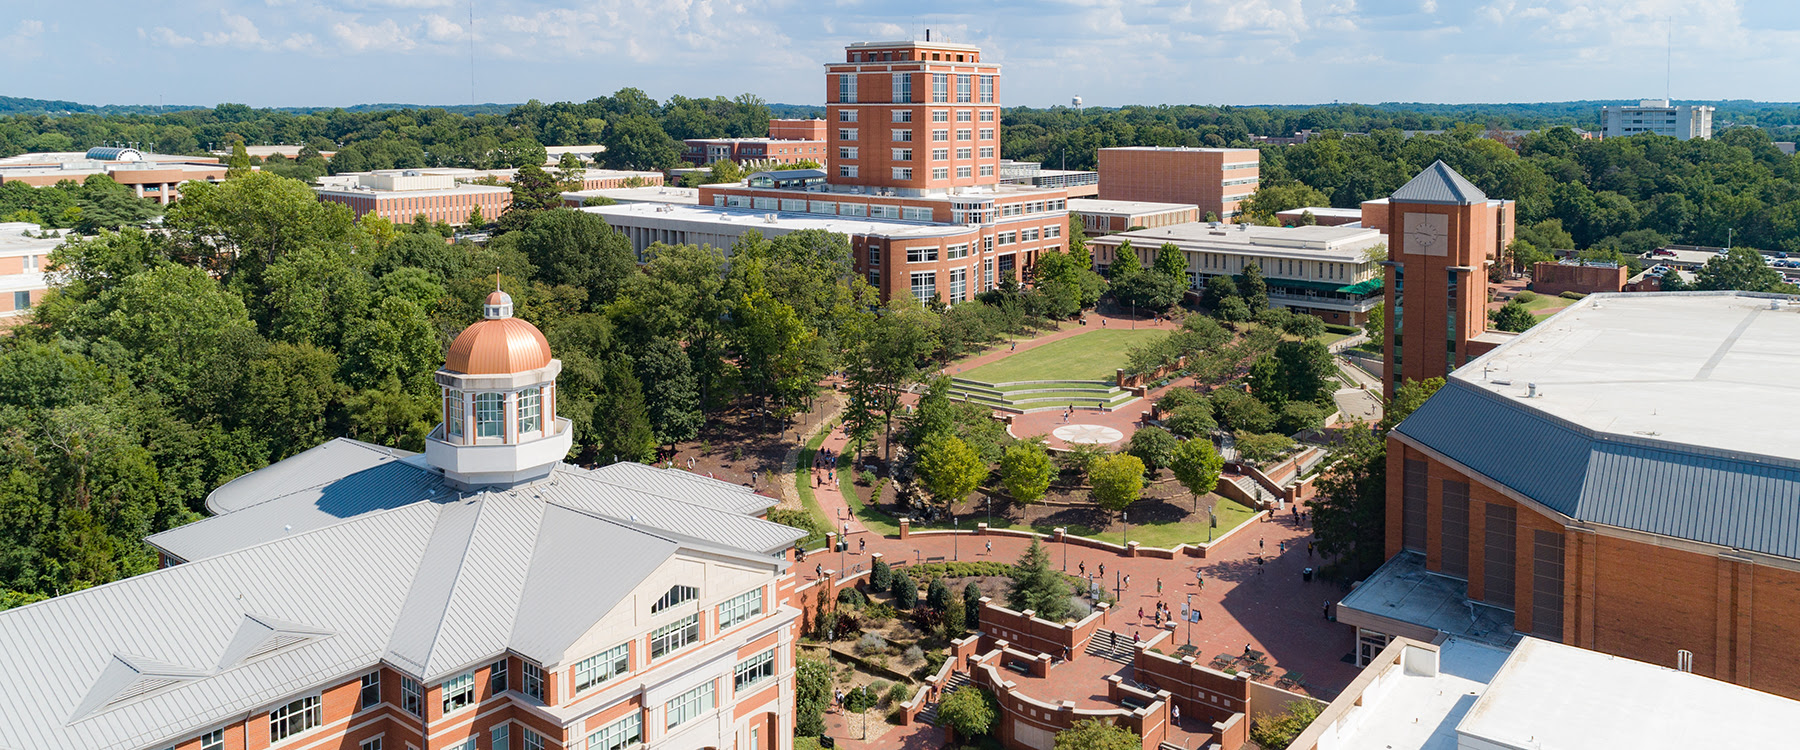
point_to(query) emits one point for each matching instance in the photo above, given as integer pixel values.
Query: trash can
(1306, 575)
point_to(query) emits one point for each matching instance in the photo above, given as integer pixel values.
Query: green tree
(1038, 587)
(1197, 465)
(1280, 730)
(1025, 471)
(881, 577)
(1513, 316)
(948, 468)
(1125, 264)
(238, 164)
(1671, 281)
(883, 357)
(812, 696)
(534, 191)
(1100, 734)
(1117, 480)
(1742, 269)
(1273, 198)
(621, 421)
(1407, 398)
(1375, 326)
(1192, 421)
(1218, 289)
(1233, 310)
(288, 393)
(937, 594)
(1172, 262)
(955, 616)
(779, 356)
(671, 392)
(1263, 448)
(1294, 371)
(1253, 288)
(971, 598)
(970, 711)
(577, 249)
(904, 590)
(1154, 446)
(637, 142)
(396, 346)
(1298, 416)
(241, 226)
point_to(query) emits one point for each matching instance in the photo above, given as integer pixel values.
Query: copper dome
(498, 346)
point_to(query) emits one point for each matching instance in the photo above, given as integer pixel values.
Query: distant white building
(1658, 116)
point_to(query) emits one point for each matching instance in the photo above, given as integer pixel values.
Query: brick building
(913, 182)
(1443, 232)
(1100, 217)
(481, 596)
(400, 195)
(155, 176)
(24, 253)
(1621, 477)
(1215, 179)
(1583, 276)
(789, 141)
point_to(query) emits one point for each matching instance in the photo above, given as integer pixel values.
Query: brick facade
(1181, 175)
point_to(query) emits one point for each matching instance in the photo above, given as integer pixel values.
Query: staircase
(1107, 644)
(951, 683)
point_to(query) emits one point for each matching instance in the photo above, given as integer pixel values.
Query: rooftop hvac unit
(769, 218)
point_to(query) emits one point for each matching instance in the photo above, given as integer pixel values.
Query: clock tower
(1443, 233)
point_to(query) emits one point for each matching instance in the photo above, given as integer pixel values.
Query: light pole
(1187, 613)
(989, 500)
(1124, 536)
(956, 531)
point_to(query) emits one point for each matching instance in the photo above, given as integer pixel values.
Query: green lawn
(1089, 356)
(1163, 535)
(803, 483)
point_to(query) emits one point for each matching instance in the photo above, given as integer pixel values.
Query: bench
(1131, 703)
(1018, 667)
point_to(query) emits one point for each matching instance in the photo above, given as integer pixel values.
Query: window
(846, 115)
(215, 740)
(619, 734)
(924, 285)
(959, 284)
(987, 115)
(754, 670)
(940, 173)
(674, 635)
(956, 252)
(963, 115)
(846, 134)
(902, 115)
(962, 89)
(846, 170)
(1053, 230)
(902, 135)
(675, 595)
(847, 88)
(370, 744)
(874, 256)
(497, 677)
(987, 170)
(453, 413)
(793, 204)
(965, 152)
(740, 608)
(911, 213)
(902, 87)
(500, 738)
(370, 694)
(902, 173)
(964, 172)
(690, 705)
(21, 300)
(964, 134)
(532, 680)
(940, 154)
(1028, 235)
(459, 692)
(987, 152)
(987, 134)
(531, 740)
(940, 87)
(603, 666)
(940, 135)
(940, 115)
(490, 415)
(902, 154)
(1008, 238)
(412, 697)
(31, 263)
(468, 744)
(987, 273)
(846, 152)
(531, 418)
(768, 203)
(921, 254)
(987, 89)
(293, 718)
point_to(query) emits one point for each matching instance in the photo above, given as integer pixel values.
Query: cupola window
(490, 415)
(453, 413)
(530, 412)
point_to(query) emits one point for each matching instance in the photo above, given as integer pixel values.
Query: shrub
(859, 699)
(970, 710)
(1571, 295)
(1526, 295)
(877, 613)
(905, 591)
(1345, 330)
(934, 660)
(913, 654)
(881, 577)
(971, 605)
(1078, 608)
(812, 695)
(870, 643)
(1278, 730)
(898, 693)
(937, 595)
(865, 478)
(852, 597)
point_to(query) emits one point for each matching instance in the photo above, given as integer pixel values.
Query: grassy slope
(1089, 356)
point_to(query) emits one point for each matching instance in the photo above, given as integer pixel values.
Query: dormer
(260, 637)
(127, 679)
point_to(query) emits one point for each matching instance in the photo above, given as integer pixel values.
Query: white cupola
(499, 423)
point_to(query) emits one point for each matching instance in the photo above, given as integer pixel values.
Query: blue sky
(1111, 52)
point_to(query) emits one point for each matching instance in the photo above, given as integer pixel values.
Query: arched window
(490, 415)
(531, 417)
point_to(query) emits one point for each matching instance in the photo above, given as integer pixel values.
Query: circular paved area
(1088, 433)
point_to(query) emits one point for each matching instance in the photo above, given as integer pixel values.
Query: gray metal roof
(687, 486)
(1439, 184)
(1687, 492)
(327, 462)
(375, 569)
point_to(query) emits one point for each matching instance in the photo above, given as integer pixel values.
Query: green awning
(1367, 286)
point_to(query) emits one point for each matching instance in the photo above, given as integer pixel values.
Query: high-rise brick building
(1215, 179)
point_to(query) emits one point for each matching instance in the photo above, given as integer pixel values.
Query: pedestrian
(1309, 551)
(1159, 587)
(1140, 611)
(1326, 609)
(862, 545)
(1127, 580)
(990, 547)
(1082, 566)
(1282, 546)
(753, 477)
(1260, 544)
(1199, 578)
(839, 700)
(1137, 635)
(1175, 711)
(1102, 570)
(818, 569)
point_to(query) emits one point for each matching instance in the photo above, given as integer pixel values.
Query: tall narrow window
(847, 88)
(370, 694)
(532, 682)
(497, 677)
(902, 88)
(940, 87)
(412, 697)
(987, 89)
(530, 417)
(213, 740)
(490, 415)
(501, 737)
(962, 89)
(453, 413)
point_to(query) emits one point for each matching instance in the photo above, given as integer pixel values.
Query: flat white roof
(647, 194)
(1713, 370)
(1549, 695)
(1348, 213)
(1344, 244)
(1096, 206)
(460, 189)
(14, 242)
(745, 219)
(1412, 708)
(1197, 149)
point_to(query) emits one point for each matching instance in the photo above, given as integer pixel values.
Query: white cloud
(299, 43)
(385, 36)
(239, 31)
(22, 43)
(166, 37)
(441, 29)
(1428, 6)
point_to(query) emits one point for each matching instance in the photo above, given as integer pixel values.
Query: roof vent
(259, 636)
(1531, 390)
(128, 678)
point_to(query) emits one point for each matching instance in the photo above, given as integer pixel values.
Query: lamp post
(1187, 614)
(989, 501)
(956, 531)
(1124, 536)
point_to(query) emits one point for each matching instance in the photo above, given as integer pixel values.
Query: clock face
(1427, 234)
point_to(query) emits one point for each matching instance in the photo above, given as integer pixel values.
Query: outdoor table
(1223, 660)
(1253, 655)
(1292, 677)
(1260, 669)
